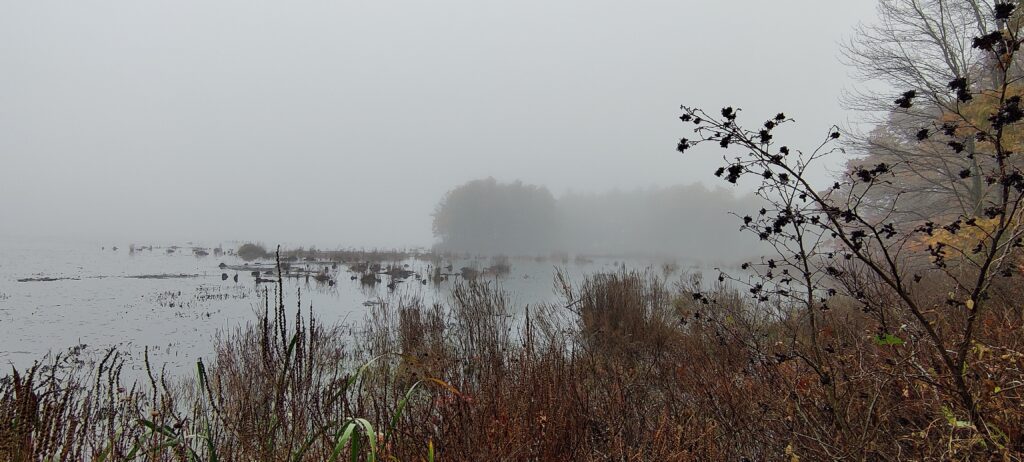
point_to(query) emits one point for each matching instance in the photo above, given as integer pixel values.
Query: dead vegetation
(630, 367)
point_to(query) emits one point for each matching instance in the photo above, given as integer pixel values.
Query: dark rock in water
(398, 273)
(223, 276)
(469, 273)
(163, 276)
(236, 277)
(222, 265)
(46, 279)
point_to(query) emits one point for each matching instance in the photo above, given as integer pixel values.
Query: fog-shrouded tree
(692, 222)
(689, 221)
(928, 45)
(487, 217)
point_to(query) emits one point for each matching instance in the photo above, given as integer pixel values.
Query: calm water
(103, 297)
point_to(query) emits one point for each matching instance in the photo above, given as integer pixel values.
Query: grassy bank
(630, 366)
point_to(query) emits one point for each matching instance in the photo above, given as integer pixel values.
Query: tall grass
(629, 366)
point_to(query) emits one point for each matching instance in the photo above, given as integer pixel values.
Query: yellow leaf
(792, 455)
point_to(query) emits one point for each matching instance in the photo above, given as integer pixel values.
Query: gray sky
(343, 122)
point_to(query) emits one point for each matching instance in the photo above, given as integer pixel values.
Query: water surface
(56, 295)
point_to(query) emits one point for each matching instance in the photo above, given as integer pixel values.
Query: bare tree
(927, 45)
(834, 240)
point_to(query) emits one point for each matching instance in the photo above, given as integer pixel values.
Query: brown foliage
(637, 369)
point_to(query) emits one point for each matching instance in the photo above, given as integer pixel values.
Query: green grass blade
(401, 408)
(133, 451)
(353, 455)
(161, 429)
(371, 437)
(343, 438)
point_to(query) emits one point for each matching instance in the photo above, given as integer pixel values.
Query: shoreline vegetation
(256, 251)
(882, 323)
(628, 365)
(370, 266)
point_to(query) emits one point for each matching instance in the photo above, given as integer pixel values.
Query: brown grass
(629, 367)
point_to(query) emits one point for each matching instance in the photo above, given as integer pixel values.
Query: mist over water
(491, 230)
(693, 222)
(347, 125)
(343, 123)
(56, 295)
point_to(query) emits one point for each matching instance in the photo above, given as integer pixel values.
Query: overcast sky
(343, 122)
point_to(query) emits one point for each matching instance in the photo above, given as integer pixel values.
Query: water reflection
(175, 298)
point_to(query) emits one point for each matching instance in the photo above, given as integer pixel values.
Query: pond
(56, 295)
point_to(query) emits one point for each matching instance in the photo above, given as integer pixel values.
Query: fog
(485, 217)
(343, 123)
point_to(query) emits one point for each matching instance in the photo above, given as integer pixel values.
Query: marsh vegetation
(625, 365)
(876, 315)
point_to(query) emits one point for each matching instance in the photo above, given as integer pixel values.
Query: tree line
(490, 217)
